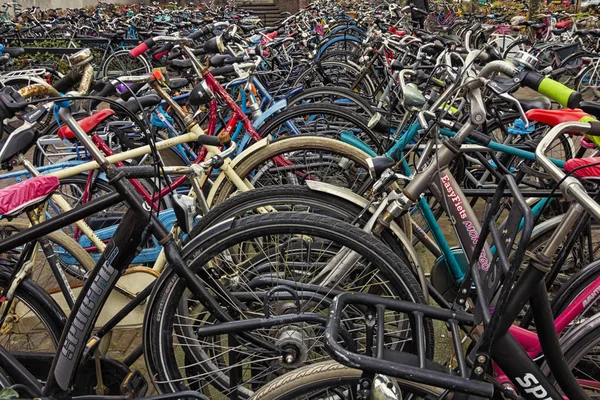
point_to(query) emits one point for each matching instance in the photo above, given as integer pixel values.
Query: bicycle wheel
(34, 321)
(588, 81)
(515, 47)
(330, 380)
(337, 74)
(321, 119)
(294, 198)
(581, 349)
(340, 97)
(121, 63)
(240, 255)
(309, 158)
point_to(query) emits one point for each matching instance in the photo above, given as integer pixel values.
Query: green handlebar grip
(548, 87)
(558, 92)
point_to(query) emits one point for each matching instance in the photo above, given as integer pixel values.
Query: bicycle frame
(131, 233)
(457, 270)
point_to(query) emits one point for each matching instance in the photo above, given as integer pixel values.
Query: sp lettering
(530, 385)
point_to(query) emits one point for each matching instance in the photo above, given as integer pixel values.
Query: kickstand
(100, 388)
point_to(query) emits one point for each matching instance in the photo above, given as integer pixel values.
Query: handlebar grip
(239, 59)
(229, 69)
(162, 51)
(142, 48)
(556, 91)
(201, 32)
(67, 82)
(106, 91)
(134, 88)
(594, 128)
(208, 140)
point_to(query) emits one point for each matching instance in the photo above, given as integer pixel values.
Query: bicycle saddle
(538, 26)
(178, 83)
(539, 102)
(17, 197)
(14, 52)
(247, 28)
(563, 24)
(591, 107)
(183, 64)
(555, 117)
(87, 124)
(592, 171)
(397, 65)
(17, 143)
(218, 60)
(558, 31)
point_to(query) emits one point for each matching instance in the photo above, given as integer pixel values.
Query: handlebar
(570, 185)
(39, 89)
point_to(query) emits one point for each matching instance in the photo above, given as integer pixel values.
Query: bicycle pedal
(134, 385)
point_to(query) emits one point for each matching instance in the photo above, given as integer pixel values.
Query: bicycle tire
(223, 187)
(166, 304)
(591, 73)
(368, 136)
(307, 80)
(323, 375)
(296, 196)
(45, 310)
(575, 346)
(358, 104)
(517, 44)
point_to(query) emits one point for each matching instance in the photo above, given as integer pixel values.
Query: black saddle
(178, 83)
(537, 103)
(181, 64)
(17, 143)
(14, 52)
(591, 107)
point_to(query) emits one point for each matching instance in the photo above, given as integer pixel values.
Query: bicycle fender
(275, 107)
(239, 158)
(545, 226)
(396, 229)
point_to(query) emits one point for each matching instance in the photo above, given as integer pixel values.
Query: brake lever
(507, 97)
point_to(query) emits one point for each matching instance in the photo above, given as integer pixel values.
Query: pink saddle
(17, 197)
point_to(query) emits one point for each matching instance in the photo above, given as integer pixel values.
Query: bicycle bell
(526, 60)
(81, 57)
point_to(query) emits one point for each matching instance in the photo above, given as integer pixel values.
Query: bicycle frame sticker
(84, 319)
(464, 220)
(468, 219)
(126, 243)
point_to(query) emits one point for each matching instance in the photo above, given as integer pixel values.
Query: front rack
(468, 377)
